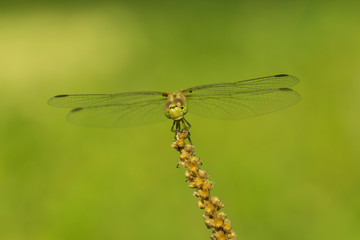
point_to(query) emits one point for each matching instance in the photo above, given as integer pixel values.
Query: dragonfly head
(175, 108)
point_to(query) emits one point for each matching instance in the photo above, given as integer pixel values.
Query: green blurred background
(292, 174)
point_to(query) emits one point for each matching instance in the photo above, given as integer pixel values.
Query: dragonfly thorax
(176, 107)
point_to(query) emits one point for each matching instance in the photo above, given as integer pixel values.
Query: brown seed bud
(209, 222)
(203, 193)
(227, 227)
(215, 201)
(231, 235)
(202, 173)
(195, 160)
(193, 167)
(180, 143)
(209, 209)
(189, 148)
(220, 235)
(207, 185)
(192, 185)
(221, 215)
(184, 155)
(182, 164)
(201, 204)
(198, 182)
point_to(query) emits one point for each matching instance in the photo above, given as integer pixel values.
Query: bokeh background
(293, 174)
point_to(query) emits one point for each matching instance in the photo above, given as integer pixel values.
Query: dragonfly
(233, 100)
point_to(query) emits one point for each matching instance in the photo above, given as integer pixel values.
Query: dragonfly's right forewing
(243, 99)
(244, 86)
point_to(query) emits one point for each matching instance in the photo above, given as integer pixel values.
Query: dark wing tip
(77, 109)
(54, 100)
(285, 89)
(59, 96)
(281, 75)
(294, 80)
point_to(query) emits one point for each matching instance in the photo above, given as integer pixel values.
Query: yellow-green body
(175, 107)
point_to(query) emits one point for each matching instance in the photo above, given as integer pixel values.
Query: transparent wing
(243, 99)
(251, 85)
(91, 100)
(119, 115)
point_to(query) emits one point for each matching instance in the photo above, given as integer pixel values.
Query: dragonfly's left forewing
(113, 110)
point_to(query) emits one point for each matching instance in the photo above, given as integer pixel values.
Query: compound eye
(179, 102)
(167, 105)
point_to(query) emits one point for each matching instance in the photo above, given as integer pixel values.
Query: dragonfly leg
(186, 125)
(188, 137)
(181, 126)
(172, 127)
(176, 127)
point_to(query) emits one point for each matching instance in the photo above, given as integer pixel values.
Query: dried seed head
(198, 179)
